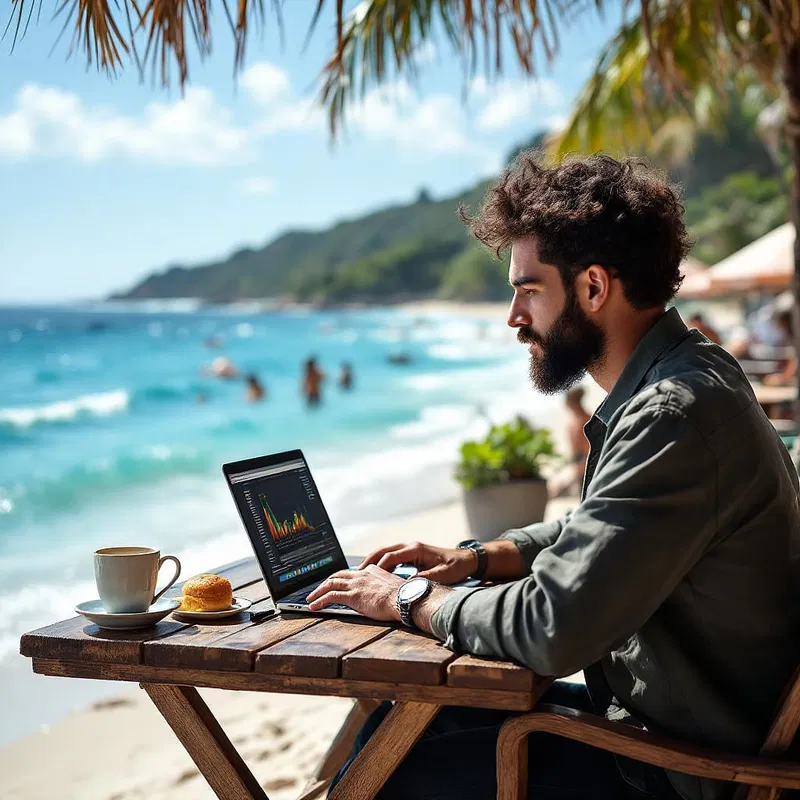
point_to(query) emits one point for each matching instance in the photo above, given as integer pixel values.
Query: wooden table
(298, 654)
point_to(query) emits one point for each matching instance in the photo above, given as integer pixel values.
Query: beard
(572, 346)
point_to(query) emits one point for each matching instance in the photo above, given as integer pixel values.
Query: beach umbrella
(765, 265)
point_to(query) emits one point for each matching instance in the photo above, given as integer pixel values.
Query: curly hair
(584, 211)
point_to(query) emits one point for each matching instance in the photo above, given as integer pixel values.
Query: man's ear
(597, 286)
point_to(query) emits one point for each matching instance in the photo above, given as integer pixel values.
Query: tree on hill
(730, 215)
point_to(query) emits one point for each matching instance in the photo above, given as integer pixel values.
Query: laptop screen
(288, 526)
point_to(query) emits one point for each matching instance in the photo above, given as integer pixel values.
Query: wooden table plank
(189, 645)
(470, 672)
(238, 650)
(317, 652)
(76, 638)
(261, 682)
(401, 657)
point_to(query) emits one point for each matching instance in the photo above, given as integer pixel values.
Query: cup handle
(174, 577)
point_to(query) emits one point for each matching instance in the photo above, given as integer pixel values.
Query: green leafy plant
(514, 451)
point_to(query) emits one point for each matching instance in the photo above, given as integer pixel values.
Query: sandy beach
(120, 748)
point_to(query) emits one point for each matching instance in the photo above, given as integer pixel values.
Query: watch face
(413, 589)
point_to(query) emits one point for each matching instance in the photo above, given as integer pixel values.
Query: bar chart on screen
(297, 524)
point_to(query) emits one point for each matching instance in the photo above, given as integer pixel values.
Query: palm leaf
(666, 74)
(380, 38)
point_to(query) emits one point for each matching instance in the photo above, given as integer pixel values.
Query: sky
(105, 180)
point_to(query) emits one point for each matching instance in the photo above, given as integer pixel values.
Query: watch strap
(480, 551)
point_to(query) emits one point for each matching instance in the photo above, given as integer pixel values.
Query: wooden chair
(764, 777)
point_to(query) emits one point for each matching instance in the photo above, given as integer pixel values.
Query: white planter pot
(495, 509)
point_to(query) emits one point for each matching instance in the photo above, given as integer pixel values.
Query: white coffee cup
(126, 577)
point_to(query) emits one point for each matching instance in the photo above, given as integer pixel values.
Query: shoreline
(117, 747)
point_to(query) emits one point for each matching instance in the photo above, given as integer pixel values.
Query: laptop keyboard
(300, 596)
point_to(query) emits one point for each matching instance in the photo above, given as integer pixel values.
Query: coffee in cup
(126, 577)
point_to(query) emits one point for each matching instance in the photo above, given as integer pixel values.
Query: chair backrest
(779, 738)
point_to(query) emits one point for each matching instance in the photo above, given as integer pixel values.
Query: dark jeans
(455, 759)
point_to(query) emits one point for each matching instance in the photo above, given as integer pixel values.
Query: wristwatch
(480, 550)
(412, 591)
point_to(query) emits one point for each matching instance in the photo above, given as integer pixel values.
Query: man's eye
(529, 292)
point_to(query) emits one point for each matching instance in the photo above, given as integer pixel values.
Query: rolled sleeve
(532, 539)
(647, 518)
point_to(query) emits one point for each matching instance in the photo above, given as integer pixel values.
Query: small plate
(93, 611)
(239, 605)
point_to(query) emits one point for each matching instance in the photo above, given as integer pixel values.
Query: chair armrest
(641, 745)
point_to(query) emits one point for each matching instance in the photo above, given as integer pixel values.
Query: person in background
(577, 417)
(222, 367)
(346, 377)
(698, 321)
(255, 391)
(775, 331)
(313, 378)
(788, 373)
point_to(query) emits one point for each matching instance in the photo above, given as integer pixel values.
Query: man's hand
(444, 565)
(371, 591)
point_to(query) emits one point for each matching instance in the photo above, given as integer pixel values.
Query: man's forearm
(504, 561)
(424, 610)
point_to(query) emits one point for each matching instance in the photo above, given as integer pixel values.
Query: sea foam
(99, 405)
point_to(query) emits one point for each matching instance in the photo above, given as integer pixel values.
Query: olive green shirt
(674, 583)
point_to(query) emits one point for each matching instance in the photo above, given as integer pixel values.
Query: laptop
(291, 533)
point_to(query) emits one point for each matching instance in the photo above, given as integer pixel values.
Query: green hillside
(421, 250)
(402, 251)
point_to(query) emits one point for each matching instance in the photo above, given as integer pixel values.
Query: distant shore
(494, 311)
(481, 309)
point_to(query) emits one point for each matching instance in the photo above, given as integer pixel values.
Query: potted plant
(502, 480)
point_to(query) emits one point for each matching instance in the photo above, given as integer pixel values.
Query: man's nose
(516, 317)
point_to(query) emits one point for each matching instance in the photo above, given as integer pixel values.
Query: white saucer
(239, 605)
(93, 611)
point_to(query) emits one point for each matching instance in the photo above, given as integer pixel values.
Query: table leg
(340, 748)
(384, 751)
(205, 741)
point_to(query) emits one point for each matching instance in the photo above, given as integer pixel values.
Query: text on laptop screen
(288, 518)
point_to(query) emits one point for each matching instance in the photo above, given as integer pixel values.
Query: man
(674, 583)
(697, 320)
(569, 480)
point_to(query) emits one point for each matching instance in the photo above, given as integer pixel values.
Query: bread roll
(207, 593)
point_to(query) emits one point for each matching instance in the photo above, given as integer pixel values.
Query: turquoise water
(104, 441)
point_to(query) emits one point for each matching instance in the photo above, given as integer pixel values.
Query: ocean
(112, 434)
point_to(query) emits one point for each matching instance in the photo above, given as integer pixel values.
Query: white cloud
(509, 101)
(258, 186)
(433, 124)
(198, 130)
(16, 136)
(265, 82)
(192, 130)
(281, 110)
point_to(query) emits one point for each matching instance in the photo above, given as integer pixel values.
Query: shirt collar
(669, 328)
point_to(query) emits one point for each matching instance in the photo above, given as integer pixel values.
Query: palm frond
(667, 73)
(382, 37)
